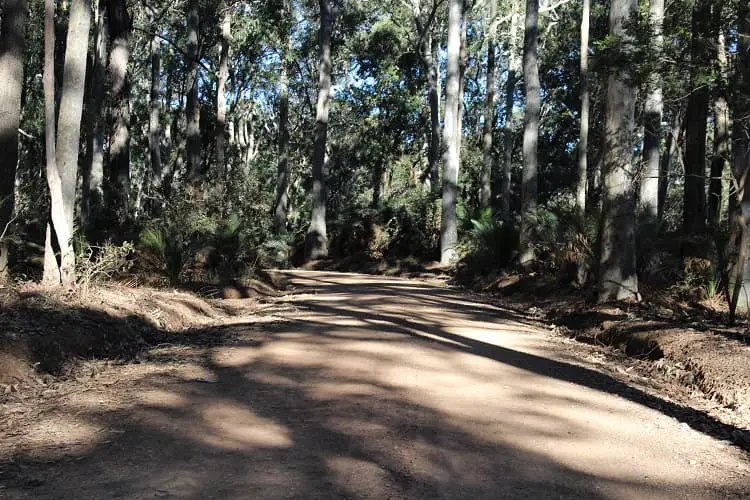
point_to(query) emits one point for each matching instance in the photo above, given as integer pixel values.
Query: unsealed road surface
(370, 387)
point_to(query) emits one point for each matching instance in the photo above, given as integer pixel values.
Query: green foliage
(188, 244)
(489, 243)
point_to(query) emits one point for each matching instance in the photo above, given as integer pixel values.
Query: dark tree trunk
(119, 140)
(192, 105)
(281, 205)
(671, 153)
(221, 102)
(92, 195)
(433, 84)
(509, 126)
(694, 215)
(488, 160)
(618, 279)
(12, 38)
(740, 280)
(316, 245)
(154, 116)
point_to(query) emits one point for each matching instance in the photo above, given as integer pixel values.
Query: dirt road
(367, 387)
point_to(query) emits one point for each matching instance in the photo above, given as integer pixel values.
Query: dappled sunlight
(235, 427)
(160, 398)
(372, 401)
(57, 435)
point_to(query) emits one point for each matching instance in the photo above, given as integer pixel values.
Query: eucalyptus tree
(530, 133)
(721, 139)
(696, 119)
(62, 176)
(741, 159)
(192, 102)
(583, 140)
(448, 224)
(12, 37)
(510, 94)
(618, 279)
(653, 110)
(281, 204)
(119, 23)
(488, 160)
(92, 185)
(316, 245)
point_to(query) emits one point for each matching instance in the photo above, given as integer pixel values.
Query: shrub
(96, 264)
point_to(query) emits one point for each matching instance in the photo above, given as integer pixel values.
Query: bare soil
(689, 343)
(352, 387)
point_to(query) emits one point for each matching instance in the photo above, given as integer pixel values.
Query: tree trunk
(530, 133)
(192, 105)
(509, 126)
(696, 122)
(221, 100)
(316, 245)
(119, 140)
(433, 84)
(670, 154)
(448, 223)
(62, 169)
(583, 142)
(281, 204)
(154, 118)
(652, 114)
(741, 161)
(485, 191)
(721, 135)
(463, 57)
(51, 274)
(618, 279)
(92, 195)
(12, 38)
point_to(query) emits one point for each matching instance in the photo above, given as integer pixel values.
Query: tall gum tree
(316, 244)
(192, 103)
(510, 93)
(488, 132)
(12, 38)
(118, 19)
(283, 174)
(696, 119)
(583, 141)
(154, 115)
(721, 145)
(448, 223)
(62, 176)
(92, 193)
(618, 279)
(652, 115)
(741, 160)
(225, 14)
(530, 133)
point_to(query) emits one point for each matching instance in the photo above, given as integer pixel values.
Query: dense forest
(604, 142)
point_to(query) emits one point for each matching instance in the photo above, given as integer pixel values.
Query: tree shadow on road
(296, 410)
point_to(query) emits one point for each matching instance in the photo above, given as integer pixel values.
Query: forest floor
(349, 386)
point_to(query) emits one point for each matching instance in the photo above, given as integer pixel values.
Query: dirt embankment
(690, 345)
(48, 333)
